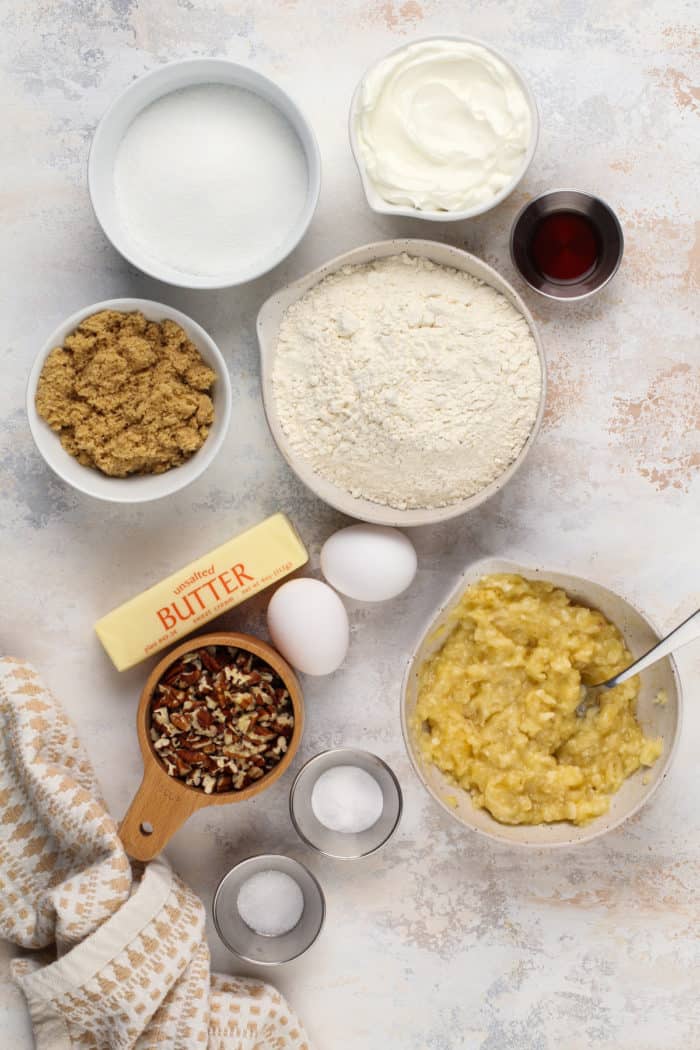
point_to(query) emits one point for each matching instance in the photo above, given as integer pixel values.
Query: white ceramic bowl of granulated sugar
(204, 173)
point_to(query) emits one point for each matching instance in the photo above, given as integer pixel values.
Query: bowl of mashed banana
(490, 697)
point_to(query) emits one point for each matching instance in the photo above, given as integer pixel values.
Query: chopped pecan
(202, 718)
(169, 697)
(180, 721)
(209, 659)
(170, 676)
(221, 719)
(182, 767)
(186, 754)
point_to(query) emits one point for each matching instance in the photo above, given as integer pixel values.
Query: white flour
(209, 179)
(406, 383)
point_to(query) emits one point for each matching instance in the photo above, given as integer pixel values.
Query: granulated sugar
(347, 799)
(209, 178)
(270, 903)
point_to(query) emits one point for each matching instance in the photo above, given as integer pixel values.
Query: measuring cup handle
(156, 813)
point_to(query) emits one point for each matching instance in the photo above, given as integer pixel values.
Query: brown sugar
(127, 395)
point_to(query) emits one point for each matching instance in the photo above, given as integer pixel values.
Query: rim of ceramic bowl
(429, 626)
(172, 480)
(218, 894)
(382, 207)
(333, 495)
(241, 75)
(578, 193)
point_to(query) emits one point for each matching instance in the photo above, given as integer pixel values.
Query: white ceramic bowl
(138, 488)
(664, 721)
(139, 94)
(383, 207)
(269, 320)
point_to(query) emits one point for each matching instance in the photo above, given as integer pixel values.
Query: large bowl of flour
(404, 381)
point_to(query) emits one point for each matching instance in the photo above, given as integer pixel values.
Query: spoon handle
(686, 632)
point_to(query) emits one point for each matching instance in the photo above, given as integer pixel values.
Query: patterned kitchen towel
(122, 959)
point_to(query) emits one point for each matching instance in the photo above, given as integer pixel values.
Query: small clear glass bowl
(257, 947)
(339, 844)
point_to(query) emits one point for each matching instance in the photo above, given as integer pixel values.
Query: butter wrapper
(202, 590)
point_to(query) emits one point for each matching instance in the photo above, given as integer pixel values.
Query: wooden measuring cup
(163, 803)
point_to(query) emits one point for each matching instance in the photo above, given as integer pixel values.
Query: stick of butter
(202, 590)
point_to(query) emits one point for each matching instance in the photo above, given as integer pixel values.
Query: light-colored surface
(443, 940)
(657, 720)
(144, 487)
(130, 103)
(269, 320)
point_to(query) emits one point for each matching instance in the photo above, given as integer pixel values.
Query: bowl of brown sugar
(129, 400)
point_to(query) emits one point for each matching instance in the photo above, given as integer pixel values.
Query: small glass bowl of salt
(269, 909)
(346, 803)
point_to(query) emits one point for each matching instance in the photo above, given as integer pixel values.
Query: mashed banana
(497, 705)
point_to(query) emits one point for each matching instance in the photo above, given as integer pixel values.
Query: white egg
(309, 625)
(370, 563)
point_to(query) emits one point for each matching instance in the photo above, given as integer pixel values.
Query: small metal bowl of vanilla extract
(566, 244)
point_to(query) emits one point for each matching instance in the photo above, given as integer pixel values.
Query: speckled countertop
(443, 940)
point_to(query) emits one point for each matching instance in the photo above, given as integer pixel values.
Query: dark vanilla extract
(565, 247)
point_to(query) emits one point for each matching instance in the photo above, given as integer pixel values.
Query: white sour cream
(442, 125)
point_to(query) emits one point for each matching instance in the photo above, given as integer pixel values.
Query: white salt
(270, 903)
(209, 179)
(347, 799)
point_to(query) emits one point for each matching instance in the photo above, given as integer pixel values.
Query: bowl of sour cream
(442, 129)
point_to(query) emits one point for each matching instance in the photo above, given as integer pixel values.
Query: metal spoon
(686, 632)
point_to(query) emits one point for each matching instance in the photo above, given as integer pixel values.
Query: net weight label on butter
(202, 590)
